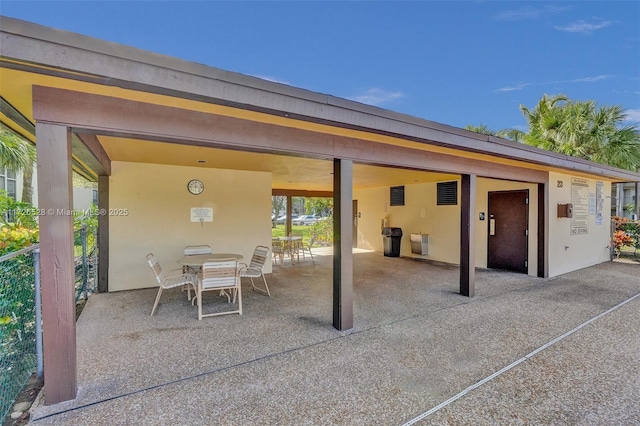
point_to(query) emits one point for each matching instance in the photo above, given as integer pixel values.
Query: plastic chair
(306, 248)
(254, 269)
(220, 275)
(193, 250)
(202, 249)
(277, 249)
(172, 281)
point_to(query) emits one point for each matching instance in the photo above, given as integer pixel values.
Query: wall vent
(448, 193)
(397, 196)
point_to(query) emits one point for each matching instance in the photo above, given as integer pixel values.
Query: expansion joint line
(515, 363)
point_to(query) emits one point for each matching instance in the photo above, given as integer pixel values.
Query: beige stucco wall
(419, 214)
(158, 208)
(570, 252)
(442, 223)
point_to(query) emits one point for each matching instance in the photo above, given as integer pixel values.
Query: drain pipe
(38, 301)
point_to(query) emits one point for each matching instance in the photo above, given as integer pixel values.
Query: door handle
(492, 227)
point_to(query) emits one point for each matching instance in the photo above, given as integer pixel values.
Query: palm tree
(483, 129)
(581, 129)
(17, 154)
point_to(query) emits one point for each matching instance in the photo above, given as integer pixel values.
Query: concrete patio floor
(415, 344)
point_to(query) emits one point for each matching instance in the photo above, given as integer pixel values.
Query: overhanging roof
(45, 56)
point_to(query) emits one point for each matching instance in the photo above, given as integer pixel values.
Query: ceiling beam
(89, 150)
(127, 118)
(302, 193)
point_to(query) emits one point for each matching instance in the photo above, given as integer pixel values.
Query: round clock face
(195, 186)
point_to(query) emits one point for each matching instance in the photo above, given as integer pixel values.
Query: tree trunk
(27, 188)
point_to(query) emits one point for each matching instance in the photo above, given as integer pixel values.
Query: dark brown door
(508, 229)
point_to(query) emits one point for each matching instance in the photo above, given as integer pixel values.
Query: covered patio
(144, 125)
(415, 343)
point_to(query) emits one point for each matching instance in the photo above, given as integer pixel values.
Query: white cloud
(521, 86)
(583, 27)
(588, 79)
(377, 96)
(518, 86)
(633, 115)
(527, 12)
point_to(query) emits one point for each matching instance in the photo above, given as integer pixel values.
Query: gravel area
(415, 343)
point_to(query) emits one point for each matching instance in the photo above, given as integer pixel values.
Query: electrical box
(565, 210)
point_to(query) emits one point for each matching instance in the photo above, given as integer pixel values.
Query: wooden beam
(55, 198)
(636, 204)
(543, 230)
(467, 235)
(103, 234)
(91, 153)
(287, 222)
(126, 118)
(342, 244)
(302, 193)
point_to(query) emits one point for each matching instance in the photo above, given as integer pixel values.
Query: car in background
(282, 219)
(306, 220)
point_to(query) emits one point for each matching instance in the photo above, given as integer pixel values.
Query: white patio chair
(194, 250)
(191, 251)
(254, 269)
(202, 249)
(166, 282)
(220, 275)
(277, 249)
(306, 248)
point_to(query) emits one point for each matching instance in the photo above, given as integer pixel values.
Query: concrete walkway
(415, 344)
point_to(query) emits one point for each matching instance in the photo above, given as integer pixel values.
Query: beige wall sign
(580, 201)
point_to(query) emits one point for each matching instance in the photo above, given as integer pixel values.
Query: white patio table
(291, 245)
(195, 261)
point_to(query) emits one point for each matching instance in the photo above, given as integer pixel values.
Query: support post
(287, 226)
(56, 262)
(342, 244)
(620, 199)
(636, 204)
(467, 235)
(103, 234)
(543, 230)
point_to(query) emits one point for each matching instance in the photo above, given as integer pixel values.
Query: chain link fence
(17, 325)
(86, 262)
(18, 353)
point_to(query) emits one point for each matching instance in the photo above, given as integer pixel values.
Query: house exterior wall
(626, 205)
(20, 186)
(442, 223)
(157, 217)
(569, 252)
(82, 198)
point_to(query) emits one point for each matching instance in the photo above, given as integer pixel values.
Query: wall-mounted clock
(195, 186)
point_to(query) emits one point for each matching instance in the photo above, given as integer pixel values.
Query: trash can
(391, 241)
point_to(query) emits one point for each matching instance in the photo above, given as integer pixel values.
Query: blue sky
(453, 62)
